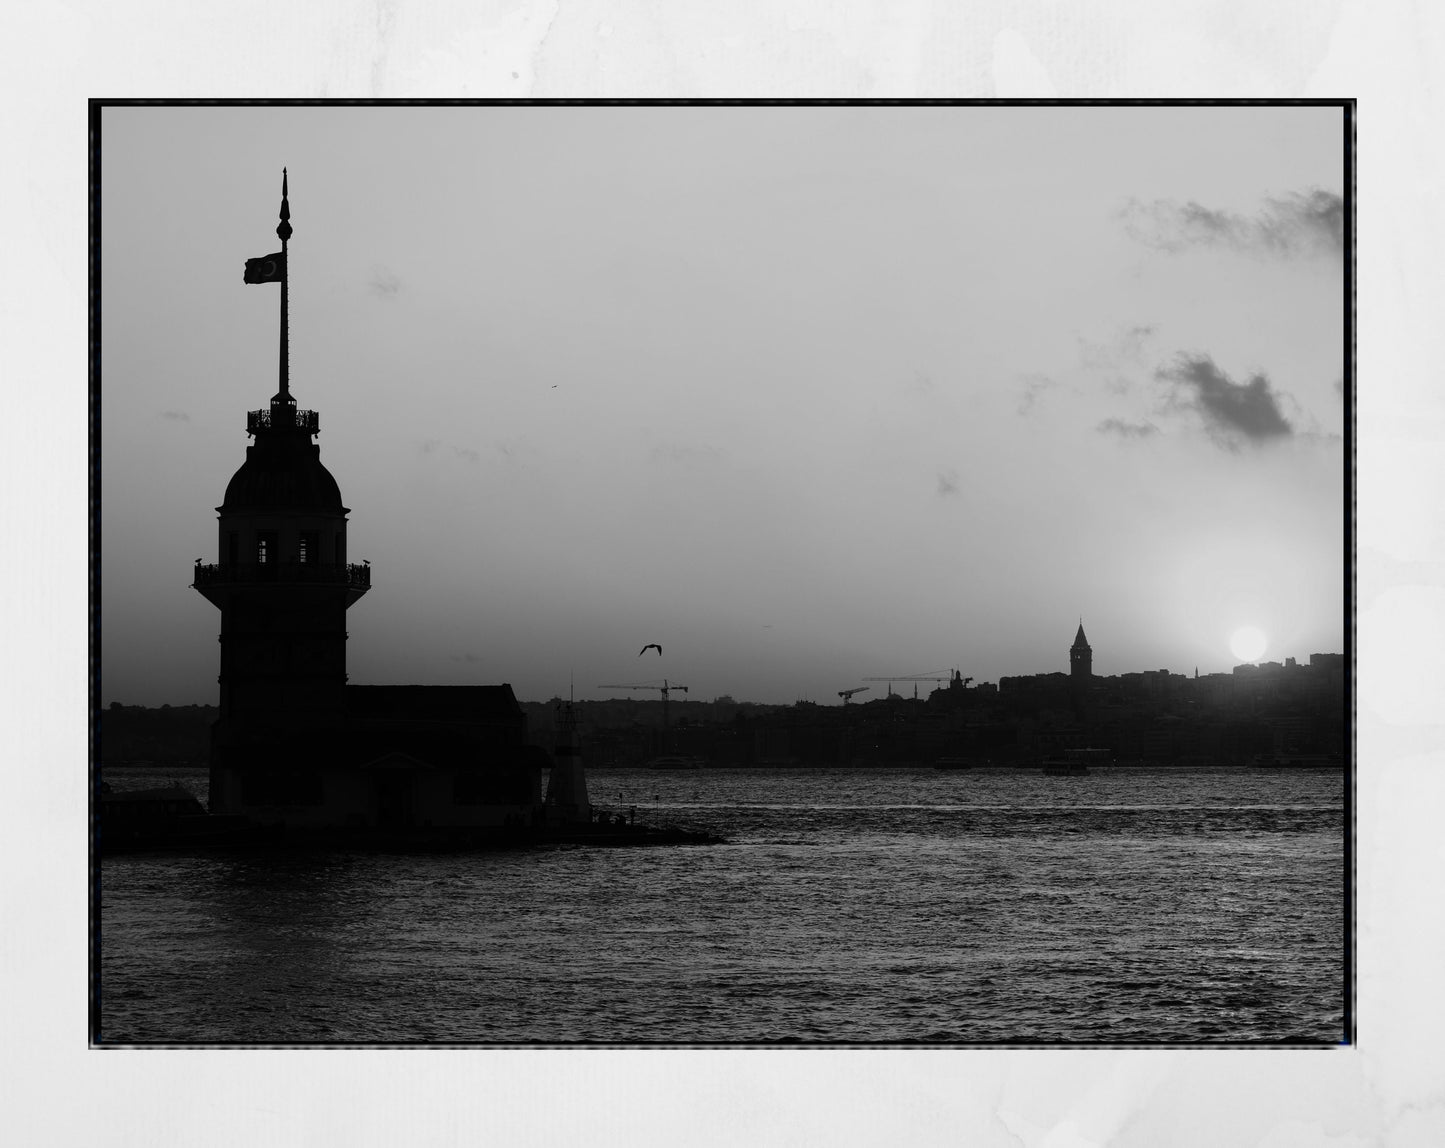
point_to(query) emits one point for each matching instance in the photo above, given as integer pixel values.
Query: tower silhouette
(1081, 657)
(1081, 671)
(283, 584)
(298, 748)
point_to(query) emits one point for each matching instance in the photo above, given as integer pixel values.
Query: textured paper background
(1387, 1091)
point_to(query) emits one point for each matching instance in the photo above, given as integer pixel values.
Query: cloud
(1127, 430)
(1340, 387)
(513, 451)
(1034, 385)
(921, 383)
(465, 658)
(176, 416)
(1126, 346)
(1297, 225)
(1231, 410)
(947, 483)
(466, 453)
(384, 283)
(430, 445)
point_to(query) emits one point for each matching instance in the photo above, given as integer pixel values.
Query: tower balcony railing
(282, 418)
(350, 575)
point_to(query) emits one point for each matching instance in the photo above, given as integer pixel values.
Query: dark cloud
(466, 453)
(1127, 430)
(176, 416)
(465, 658)
(384, 283)
(947, 483)
(430, 445)
(1231, 410)
(1295, 225)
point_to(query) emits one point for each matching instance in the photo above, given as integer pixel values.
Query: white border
(1385, 1091)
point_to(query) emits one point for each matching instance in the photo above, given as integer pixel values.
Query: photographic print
(722, 574)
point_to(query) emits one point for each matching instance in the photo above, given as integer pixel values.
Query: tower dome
(282, 472)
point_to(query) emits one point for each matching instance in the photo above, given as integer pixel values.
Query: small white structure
(567, 787)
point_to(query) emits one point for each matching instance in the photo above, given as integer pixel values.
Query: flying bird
(650, 646)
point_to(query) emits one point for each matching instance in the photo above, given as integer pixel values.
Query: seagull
(650, 646)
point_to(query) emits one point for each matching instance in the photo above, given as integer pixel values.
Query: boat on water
(952, 763)
(674, 761)
(1060, 767)
(1075, 762)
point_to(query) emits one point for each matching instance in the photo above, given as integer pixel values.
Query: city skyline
(920, 685)
(804, 396)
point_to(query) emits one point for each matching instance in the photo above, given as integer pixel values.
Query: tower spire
(283, 229)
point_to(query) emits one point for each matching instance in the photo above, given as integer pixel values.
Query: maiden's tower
(295, 745)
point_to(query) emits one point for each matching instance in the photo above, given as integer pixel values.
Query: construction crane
(847, 695)
(666, 689)
(931, 676)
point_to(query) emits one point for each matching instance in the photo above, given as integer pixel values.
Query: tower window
(308, 547)
(265, 547)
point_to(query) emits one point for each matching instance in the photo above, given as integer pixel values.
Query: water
(850, 905)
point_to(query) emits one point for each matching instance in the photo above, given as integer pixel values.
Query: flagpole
(284, 231)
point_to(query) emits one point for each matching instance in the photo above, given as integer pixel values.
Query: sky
(805, 395)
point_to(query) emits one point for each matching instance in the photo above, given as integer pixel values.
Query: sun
(1248, 643)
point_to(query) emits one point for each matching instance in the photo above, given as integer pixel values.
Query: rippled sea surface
(849, 905)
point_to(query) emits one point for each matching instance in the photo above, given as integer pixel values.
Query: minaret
(283, 586)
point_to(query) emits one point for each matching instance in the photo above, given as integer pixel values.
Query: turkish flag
(267, 269)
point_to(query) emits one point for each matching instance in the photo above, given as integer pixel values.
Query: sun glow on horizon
(1248, 643)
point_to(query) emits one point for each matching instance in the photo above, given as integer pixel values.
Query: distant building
(1081, 670)
(1081, 656)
